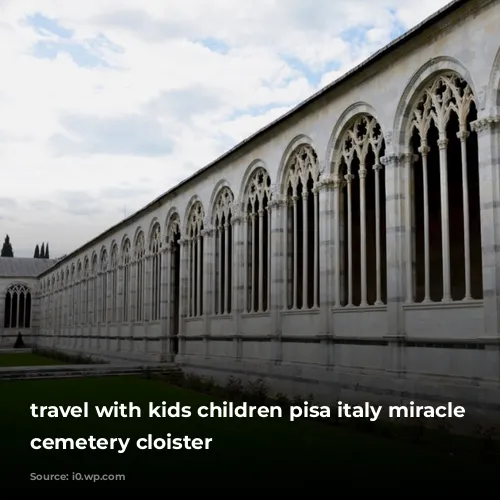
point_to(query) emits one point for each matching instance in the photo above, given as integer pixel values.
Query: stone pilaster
(326, 198)
(237, 276)
(184, 268)
(109, 305)
(395, 242)
(148, 288)
(121, 328)
(133, 291)
(277, 265)
(208, 274)
(488, 135)
(165, 301)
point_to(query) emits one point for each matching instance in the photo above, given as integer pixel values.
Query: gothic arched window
(17, 307)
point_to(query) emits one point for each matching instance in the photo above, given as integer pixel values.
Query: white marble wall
(393, 339)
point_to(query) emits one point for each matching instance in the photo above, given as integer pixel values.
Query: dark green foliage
(42, 251)
(74, 359)
(7, 248)
(36, 255)
(47, 252)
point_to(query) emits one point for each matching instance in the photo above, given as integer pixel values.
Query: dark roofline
(383, 52)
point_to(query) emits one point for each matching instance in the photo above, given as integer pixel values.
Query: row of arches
(182, 261)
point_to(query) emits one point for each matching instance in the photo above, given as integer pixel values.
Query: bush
(75, 359)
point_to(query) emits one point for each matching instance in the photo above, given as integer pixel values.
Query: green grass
(251, 454)
(26, 359)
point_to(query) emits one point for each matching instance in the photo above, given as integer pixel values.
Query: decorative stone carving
(258, 187)
(481, 125)
(140, 247)
(196, 220)
(302, 165)
(173, 229)
(363, 136)
(223, 207)
(448, 92)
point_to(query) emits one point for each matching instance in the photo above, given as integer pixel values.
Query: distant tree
(47, 252)
(42, 251)
(37, 252)
(7, 248)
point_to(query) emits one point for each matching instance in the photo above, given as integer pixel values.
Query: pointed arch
(126, 264)
(140, 273)
(257, 230)
(299, 177)
(429, 71)
(443, 208)
(125, 239)
(173, 227)
(138, 236)
(493, 98)
(300, 140)
(255, 165)
(221, 185)
(357, 147)
(194, 236)
(155, 249)
(172, 212)
(359, 108)
(221, 220)
(17, 306)
(153, 226)
(194, 201)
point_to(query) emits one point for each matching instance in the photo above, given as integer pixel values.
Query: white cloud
(231, 67)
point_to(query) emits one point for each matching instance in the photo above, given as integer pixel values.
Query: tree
(7, 248)
(42, 251)
(47, 251)
(37, 252)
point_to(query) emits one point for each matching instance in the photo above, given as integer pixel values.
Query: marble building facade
(354, 242)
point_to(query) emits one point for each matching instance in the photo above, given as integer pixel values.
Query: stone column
(183, 246)
(109, 305)
(396, 240)
(208, 273)
(132, 305)
(236, 296)
(326, 197)
(121, 327)
(165, 301)
(488, 135)
(277, 266)
(148, 288)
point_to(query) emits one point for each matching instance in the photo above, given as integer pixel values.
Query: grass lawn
(26, 359)
(246, 454)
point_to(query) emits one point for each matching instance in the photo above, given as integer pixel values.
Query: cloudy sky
(106, 104)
